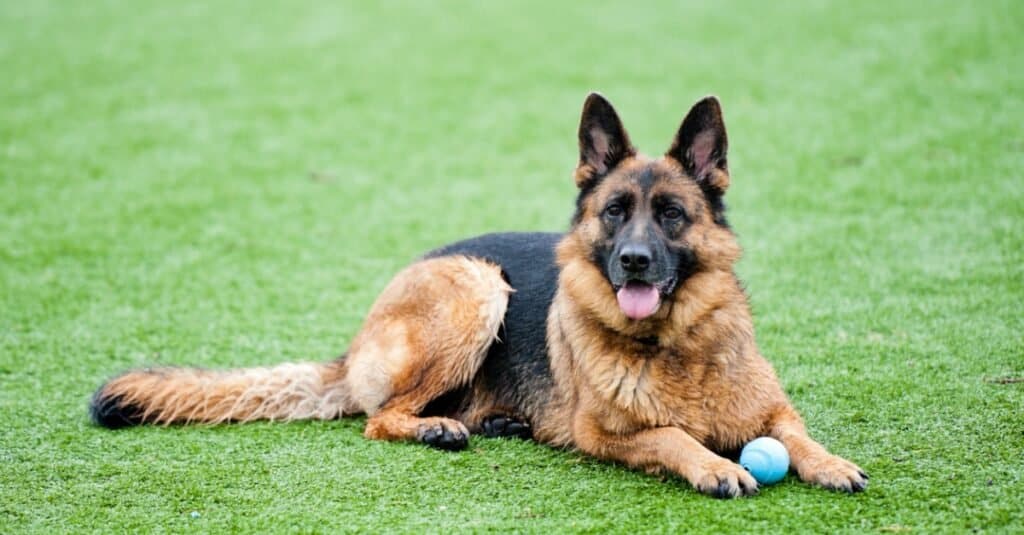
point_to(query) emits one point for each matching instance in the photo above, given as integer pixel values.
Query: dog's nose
(635, 258)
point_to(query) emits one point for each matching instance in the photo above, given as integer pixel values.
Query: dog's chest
(642, 391)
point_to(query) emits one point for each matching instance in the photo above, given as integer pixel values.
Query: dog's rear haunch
(628, 338)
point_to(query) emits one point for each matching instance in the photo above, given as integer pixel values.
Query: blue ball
(766, 459)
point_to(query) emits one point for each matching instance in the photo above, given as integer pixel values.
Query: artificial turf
(229, 184)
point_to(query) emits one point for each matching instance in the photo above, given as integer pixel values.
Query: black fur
(686, 262)
(112, 412)
(717, 205)
(646, 179)
(585, 191)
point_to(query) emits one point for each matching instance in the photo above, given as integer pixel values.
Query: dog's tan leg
(667, 448)
(812, 462)
(398, 422)
(426, 335)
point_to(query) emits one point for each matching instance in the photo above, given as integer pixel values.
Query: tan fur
(184, 395)
(427, 334)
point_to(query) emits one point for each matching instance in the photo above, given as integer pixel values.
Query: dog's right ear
(603, 141)
(700, 145)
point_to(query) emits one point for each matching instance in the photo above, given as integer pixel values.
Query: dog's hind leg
(426, 335)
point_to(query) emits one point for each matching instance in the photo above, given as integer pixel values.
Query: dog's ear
(701, 145)
(603, 141)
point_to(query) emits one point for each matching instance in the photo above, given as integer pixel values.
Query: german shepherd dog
(628, 338)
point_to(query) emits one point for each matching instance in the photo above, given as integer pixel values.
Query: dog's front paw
(833, 473)
(724, 479)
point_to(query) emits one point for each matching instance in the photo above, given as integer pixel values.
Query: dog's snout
(635, 258)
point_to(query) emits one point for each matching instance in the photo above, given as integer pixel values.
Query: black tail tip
(112, 412)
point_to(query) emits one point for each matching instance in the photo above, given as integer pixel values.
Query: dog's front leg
(668, 448)
(812, 462)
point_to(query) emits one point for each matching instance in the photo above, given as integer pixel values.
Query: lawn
(230, 184)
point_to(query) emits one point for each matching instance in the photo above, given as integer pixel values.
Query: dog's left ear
(701, 145)
(604, 142)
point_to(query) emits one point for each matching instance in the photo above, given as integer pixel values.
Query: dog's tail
(189, 395)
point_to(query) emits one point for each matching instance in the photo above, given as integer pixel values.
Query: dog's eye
(614, 210)
(672, 213)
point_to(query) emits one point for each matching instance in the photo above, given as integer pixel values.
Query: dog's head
(650, 224)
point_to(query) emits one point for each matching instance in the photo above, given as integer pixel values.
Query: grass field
(230, 183)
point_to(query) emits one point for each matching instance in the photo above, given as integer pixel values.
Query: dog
(628, 338)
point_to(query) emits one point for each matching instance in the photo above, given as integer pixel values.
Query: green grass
(230, 183)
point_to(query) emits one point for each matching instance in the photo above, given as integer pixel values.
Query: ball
(766, 459)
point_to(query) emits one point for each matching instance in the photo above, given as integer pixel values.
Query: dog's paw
(505, 426)
(722, 478)
(833, 473)
(443, 433)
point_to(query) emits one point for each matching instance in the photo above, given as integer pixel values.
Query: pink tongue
(638, 299)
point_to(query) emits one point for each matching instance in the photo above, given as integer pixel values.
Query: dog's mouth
(640, 299)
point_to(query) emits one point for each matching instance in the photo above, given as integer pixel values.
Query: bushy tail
(187, 395)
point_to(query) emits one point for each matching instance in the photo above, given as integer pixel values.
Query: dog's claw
(724, 490)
